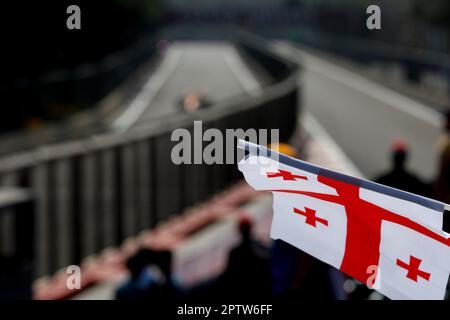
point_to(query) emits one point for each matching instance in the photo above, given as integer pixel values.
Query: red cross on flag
(389, 239)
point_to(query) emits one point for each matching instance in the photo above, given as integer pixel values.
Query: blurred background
(57, 77)
(85, 145)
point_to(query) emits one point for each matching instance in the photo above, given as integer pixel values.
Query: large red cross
(286, 175)
(311, 217)
(363, 239)
(413, 269)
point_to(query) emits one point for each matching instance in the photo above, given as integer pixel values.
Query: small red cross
(286, 175)
(311, 217)
(413, 269)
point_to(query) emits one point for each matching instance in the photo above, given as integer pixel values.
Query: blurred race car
(193, 101)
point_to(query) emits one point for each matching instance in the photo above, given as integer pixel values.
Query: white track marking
(368, 87)
(142, 100)
(241, 72)
(318, 132)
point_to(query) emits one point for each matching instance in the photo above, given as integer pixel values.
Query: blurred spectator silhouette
(284, 265)
(316, 280)
(442, 183)
(150, 277)
(247, 275)
(399, 176)
(297, 275)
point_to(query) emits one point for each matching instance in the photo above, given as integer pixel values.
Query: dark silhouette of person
(399, 176)
(247, 275)
(297, 275)
(284, 260)
(150, 277)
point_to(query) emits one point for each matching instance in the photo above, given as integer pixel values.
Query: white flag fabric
(386, 238)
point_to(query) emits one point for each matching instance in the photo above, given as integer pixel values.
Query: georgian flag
(389, 239)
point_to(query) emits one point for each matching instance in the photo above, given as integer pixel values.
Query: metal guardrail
(95, 192)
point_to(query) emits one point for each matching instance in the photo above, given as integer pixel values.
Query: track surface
(364, 117)
(214, 69)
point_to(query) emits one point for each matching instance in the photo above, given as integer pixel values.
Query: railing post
(63, 213)
(107, 200)
(143, 184)
(88, 209)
